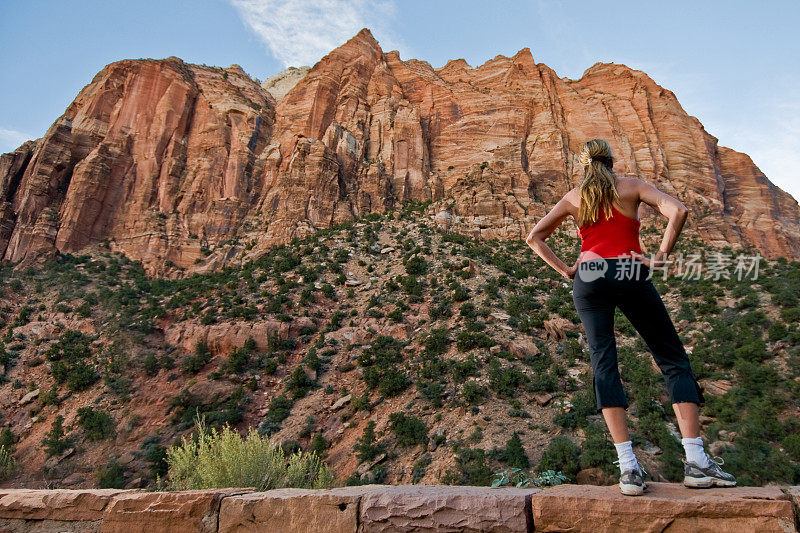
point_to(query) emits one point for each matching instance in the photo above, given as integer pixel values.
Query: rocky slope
(449, 345)
(190, 167)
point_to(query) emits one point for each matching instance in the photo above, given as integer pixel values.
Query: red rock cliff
(186, 165)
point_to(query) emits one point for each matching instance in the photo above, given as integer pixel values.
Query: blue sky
(732, 64)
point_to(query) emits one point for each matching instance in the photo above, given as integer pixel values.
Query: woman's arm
(542, 231)
(671, 208)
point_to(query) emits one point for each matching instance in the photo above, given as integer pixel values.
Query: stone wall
(384, 508)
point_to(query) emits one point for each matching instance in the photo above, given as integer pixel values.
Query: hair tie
(590, 160)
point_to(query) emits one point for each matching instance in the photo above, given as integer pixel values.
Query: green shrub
(472, 469)
(420, 466)
(218, 459)
(473, 393)
(461, 370)
(318, 445)
(299, 383)
(111, 476)
(7, 438)
(150, 364)
(410, 430)
(597, 451)
(504, 381)
(56, 440)
(81, 376)
(382, 362)
(156, 456)
(561, 455)
(277, 411)
(416, 266)
(366, 448)
(270, 366)
(68, 358)
(8, 465)
(217, 410)
(195, 363)
(514, 454)
(98, 424)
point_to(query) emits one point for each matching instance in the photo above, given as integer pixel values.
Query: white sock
(627, 460)
(695, 452)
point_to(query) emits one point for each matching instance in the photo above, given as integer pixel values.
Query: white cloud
(11, 139)
(301, 32)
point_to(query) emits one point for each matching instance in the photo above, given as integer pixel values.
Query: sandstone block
(664, 506)
(56, 504)
(169, 512)
(292, 511)
(446, 508)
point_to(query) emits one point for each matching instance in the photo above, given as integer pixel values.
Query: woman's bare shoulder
(629, 179)
(573, 196)
(629, 184)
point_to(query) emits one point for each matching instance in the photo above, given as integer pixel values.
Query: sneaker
(711, 476)
(631, 482)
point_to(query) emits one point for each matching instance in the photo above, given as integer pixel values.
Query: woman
(612, 272)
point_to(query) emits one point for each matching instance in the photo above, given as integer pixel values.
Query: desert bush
(514, 453)
(111, 475)
(366, 447)
(193, 364)
(277, 411)
(561, 455)
(472, 469)
(410, 430)
(216, 459)
(596, 450)
(504, 381)
(97, 424)
(382, 362)
(473, 393)
(56, 440)
(7, 463)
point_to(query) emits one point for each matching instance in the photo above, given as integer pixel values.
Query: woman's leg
(595, 307)
(617, 422)
(645, 310)
(688, 419)
(596, 304)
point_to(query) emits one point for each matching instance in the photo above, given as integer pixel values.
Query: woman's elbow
(534, 240)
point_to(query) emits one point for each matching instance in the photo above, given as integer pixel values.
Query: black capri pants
(624, 284)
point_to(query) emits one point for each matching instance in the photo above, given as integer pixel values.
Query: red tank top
(611, 237)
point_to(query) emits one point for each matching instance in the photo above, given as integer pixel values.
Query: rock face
(158, 156)
(182, 165)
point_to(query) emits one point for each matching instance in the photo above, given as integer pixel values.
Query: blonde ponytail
(598, 188)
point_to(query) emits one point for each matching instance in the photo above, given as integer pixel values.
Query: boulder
(555, 328)
(521, 348)
(29, 397)
(338, 404)
(594, 476)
